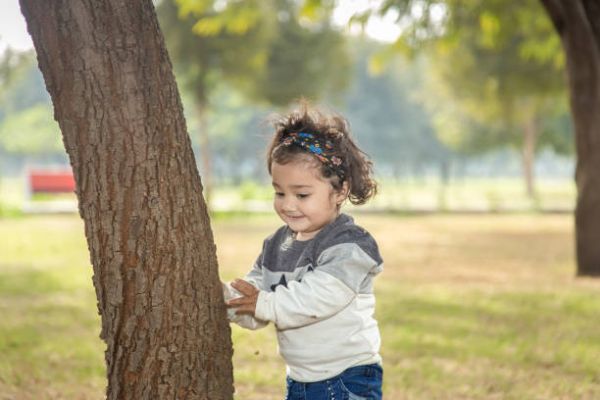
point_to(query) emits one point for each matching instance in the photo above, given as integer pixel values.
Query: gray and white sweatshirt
(319, 295)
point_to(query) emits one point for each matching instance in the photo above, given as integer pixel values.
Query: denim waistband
(369, 370)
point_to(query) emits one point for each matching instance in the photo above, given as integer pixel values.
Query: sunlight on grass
(470, 307)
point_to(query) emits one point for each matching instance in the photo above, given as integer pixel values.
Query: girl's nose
(288, 204)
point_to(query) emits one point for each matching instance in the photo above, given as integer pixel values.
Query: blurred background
(467, 110)
(463, 108)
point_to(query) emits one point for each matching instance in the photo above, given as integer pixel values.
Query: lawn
(470, 307)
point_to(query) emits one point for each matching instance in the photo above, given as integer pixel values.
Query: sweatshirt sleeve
(255, 278)
(243, 320)
(336, 280)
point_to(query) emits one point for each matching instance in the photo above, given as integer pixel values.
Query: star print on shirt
(310, 269)
(282, 281)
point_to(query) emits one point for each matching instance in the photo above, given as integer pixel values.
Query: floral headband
(317, 146)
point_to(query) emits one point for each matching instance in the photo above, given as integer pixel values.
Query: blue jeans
(356, 383)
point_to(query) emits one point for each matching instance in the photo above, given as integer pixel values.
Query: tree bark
(578, 24)
(140, 196)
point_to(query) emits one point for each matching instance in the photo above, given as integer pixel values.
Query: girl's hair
(355, 167)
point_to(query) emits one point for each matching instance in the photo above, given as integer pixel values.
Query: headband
(317, 146)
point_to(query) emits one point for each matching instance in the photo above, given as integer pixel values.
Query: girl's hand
(247, 303)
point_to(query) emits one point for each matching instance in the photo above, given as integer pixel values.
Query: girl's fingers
(240, 301)
(247, 303)
(235, 303)
(244, 287)
(245, 310)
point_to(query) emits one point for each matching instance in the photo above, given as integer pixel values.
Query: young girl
(314, 277)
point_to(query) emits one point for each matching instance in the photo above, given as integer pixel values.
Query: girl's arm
(317, 297)
(341, 274)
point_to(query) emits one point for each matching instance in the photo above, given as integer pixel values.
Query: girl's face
(304, 200)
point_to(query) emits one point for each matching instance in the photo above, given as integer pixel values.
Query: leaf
(208, 26)
(490, 28)
(193, 7)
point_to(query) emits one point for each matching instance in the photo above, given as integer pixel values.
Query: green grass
(49, 331)
(470, 307)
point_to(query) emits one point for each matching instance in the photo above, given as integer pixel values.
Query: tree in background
(576, 23)
(476, 110)
(27, 131)
(260, 48)
(21, 82)
(237, 147)
(306, 59)
(226, 44)
(33, 134)
(147, 228)
(499, 69)
(388, 118)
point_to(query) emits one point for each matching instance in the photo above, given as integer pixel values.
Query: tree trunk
(140, 196)
(578, 24)
(444, 171)
(530, 135)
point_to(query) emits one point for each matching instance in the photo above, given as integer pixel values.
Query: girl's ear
(342, 194)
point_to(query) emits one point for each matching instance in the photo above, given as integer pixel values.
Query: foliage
(407, 116)
(234, 125)
(21, 83)
(260, 47)
(497, 68)
(209, 43)
(27, 126)
(425, 22)
(257, 48)
(501, 67)
(32, 131)
(304, 60)
(386, 115)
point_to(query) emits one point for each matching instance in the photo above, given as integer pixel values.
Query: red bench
(41, 181)
(59, 184)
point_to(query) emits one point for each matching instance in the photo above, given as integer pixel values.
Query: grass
(469, 306)
(49, 330)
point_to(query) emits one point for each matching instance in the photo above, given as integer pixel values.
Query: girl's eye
(278, 194)
(302, 195)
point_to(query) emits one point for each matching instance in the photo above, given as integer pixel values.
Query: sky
(12, 27)
(13, 32)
